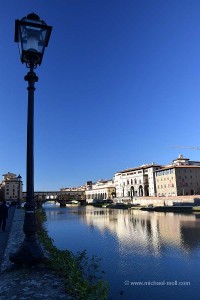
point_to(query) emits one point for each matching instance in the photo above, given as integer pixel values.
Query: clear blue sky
(119, 83)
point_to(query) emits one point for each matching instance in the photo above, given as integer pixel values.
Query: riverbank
(177, 208)
(63, 275)
(165, 204)
(27, 282)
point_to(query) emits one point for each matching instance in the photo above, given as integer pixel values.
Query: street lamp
(19, 177)
(33, 35)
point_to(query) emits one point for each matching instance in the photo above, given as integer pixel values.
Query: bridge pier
(62, 203)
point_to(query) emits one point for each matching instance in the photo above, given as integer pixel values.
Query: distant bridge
(62, 197)
(48, 195)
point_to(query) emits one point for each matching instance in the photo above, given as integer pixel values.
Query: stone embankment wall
(164, 201)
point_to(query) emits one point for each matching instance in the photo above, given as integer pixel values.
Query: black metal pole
(31, 78)
(18, 200)
(30, 251)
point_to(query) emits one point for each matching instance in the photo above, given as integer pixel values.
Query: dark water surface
(145, 255)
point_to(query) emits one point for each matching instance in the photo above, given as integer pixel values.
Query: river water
(145, 255)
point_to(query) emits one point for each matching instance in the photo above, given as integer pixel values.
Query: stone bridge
(62, 197)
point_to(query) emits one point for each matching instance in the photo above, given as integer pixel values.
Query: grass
(82, 275)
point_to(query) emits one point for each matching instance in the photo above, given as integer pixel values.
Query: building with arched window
(100, 191)
(136, 182)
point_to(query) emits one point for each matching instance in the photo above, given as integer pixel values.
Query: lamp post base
(30, 253)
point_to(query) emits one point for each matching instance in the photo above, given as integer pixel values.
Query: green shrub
(81, 273)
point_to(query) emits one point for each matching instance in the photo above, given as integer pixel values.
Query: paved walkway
(25, 283)
(5, 234)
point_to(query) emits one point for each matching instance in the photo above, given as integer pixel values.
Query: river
(145, 255)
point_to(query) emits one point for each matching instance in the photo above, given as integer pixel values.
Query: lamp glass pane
(19, 43)
(33, 38)
(42, 40)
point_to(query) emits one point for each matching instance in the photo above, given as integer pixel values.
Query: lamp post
(19, 184)
(33, 35)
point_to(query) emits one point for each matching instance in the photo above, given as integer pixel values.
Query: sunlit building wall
(11, 187)
(101, 190)
(136, 182)
(181, 178)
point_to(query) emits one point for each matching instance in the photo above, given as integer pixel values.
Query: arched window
(140, 190)
(132, 193)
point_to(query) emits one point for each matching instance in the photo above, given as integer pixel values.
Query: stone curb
(27, 283)
(15, 238)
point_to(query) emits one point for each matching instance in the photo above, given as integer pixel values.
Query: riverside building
(181, 178)
(136, 182)
(100, 190)
(11, 187)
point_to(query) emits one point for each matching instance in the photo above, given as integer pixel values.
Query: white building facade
(136, 182)
(100, 190)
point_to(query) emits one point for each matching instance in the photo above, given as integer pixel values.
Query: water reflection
(152, 230)
(141, 246)
(147, 230)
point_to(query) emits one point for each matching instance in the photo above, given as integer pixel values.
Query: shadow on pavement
(5, 234)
